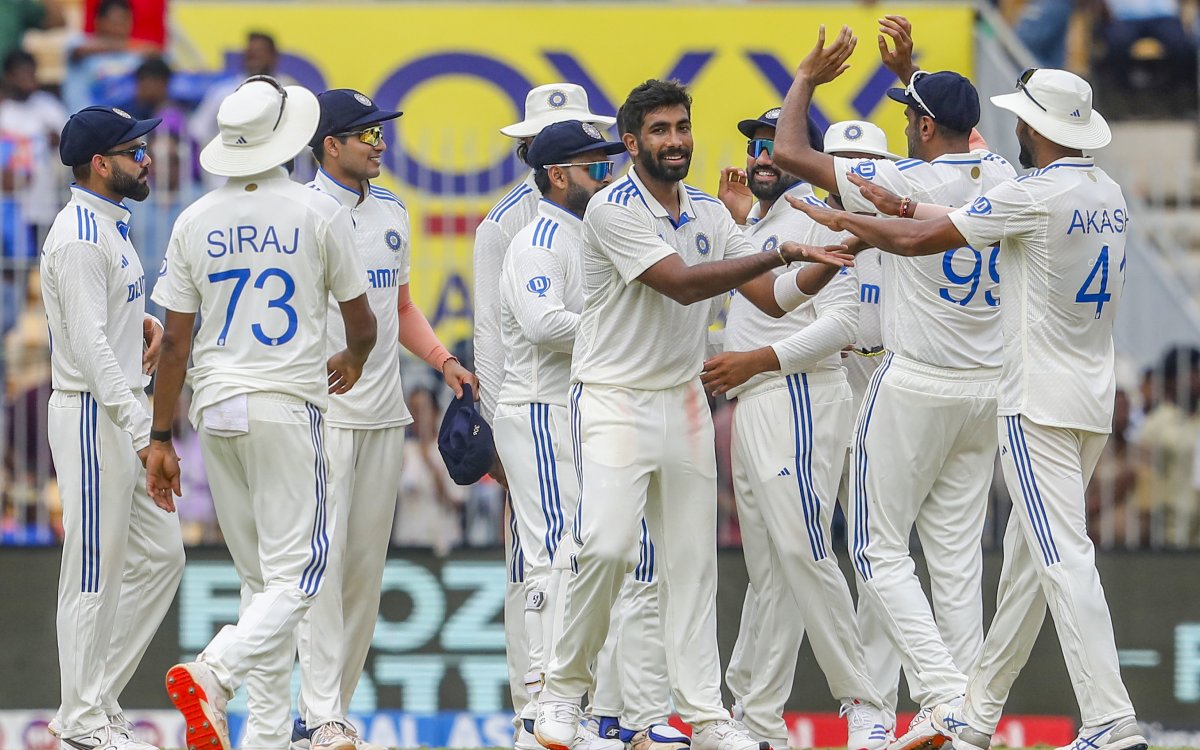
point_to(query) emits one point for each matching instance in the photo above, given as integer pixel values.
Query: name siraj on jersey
(248, 238)
(1098, 221)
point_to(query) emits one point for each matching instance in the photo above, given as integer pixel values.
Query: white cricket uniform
(365, 438)
(511, 214)
(936, 388)
(643, 438)
(1061, 231)
(257, 259)
(541, 298)
(122, 556)
(789, 435)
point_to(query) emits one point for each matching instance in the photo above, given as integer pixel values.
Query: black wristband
(162, 436)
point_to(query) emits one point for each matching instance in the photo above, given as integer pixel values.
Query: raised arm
(908, 237)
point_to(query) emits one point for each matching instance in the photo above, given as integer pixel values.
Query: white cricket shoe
(1122, 734)
(106, 737)
(121, 724)
(332, 735)
(557, 723)
(725, 735)
(195, 691)
(524, 740)
(921, 734)
(947, 719)
(589, 738)
(865, 726)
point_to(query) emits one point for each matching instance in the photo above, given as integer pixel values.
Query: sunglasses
(597, 170)
(371, 136)
(137, 153)
(278, 87)
(755, 147)
(1021, 86)
(911, 90)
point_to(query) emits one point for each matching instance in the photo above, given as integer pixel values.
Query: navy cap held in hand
(465, 440)
(96, 130)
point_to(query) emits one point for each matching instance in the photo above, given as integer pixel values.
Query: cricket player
(544, 105)
(641, 427)
(258, 259)
(937, 384)
(122, 557)
(786, 471)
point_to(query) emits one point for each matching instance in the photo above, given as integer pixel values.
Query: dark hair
(262, 36)
(950, 134)
(153, 67)
(16, 59)
(106, 5)
(649, 96)
(523, 151)
(541, 178)
(82, 171)
(1178, 359)
(318, 151)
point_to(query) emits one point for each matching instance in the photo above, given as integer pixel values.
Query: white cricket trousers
(924, 451)
(516, 643)
(1049, 561)
(269, 488)
(122, 559)
(789, 435)
(652, 453)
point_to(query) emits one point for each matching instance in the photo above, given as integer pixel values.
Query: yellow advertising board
(460, 71)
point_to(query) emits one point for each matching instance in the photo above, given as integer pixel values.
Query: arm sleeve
(345, 274)
(624, 239)
(416, 335)
(882, 172)
(82, 272)
(538, 304)
(1006, 211)
(490, 246)
(832, 331)
(175, 289)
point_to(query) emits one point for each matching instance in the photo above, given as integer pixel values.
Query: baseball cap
(1057, 104)
(770, 119)
(554, 102)
(858, 136)
(465, 440)
(95, 130)
(947, 97)
(562, 140)
(343, 110)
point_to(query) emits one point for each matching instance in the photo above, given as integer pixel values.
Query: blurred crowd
(1146, 489)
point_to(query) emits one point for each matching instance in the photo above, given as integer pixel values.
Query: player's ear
(631, 144)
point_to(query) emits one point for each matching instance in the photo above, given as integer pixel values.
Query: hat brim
(747, 127)
(301, 115)
(1089, 135)
(902, 96)
(842, 148)
(530, 128)
(371, 118)
(139, 128)
(609, 147)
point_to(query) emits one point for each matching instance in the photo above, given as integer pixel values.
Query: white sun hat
(555, 102)
(858, 136)
(1057, 104)
(262, 125)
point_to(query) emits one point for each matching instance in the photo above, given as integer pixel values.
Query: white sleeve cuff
(787, 295)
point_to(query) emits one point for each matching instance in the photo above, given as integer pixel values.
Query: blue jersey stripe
(310, 579)
(516, 568)
(1040, 505)
(513, 198)
(861, 531)
(557, 506)
(803, 455)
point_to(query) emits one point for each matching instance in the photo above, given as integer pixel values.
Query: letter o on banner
(410, 167)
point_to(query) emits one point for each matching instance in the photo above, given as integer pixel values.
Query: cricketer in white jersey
(122, 557)
(544, 105)
(641, 424)
(258, 259)
(1061, 232)
(936, 385)
(786, 471)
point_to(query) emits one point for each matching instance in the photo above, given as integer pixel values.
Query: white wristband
(787, 295)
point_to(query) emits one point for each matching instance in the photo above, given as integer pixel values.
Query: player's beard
(129, 185)
(771, 191)
(577, 197)
(652, 164)
(1026, 156)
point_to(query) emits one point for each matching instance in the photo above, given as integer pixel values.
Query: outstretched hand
(734, 192)
(824, 64)
(885, 201)
(829, 255)
(823, 215)
(899, 60)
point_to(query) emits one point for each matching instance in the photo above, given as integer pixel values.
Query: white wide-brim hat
(858, 136)
(262, 125)
(555, 102)
(1057, 104)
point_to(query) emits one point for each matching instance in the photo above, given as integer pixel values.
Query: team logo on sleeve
(162, 270)
(557, 99)
(865, 169)
(981, 207)
(392, 238)
(771, 244)
(702, 244)
(852, 133)
(539, 285)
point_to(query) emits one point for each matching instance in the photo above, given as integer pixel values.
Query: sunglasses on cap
(597, 170)
(1021, 86)
(911, 90)
(371, 136)
(278, 87)
(137, 153)
(755, 147)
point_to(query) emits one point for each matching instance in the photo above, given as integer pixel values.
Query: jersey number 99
(971, 279)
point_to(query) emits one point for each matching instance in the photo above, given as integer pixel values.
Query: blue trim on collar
(82, 189)
(335, 182)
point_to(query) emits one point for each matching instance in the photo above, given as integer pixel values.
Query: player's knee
(606, 549)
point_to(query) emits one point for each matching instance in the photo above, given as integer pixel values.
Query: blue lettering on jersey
(383, 278)
(1099, 221)
(136, 289)
(539, 285)
(245, 238)
(981, 207)
(868, 293)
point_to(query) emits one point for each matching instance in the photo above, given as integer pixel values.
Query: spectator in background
(19, 16)
(149, 20)
(1113, 516)
(152, 98)
(1042, 27)
(33, 118)
(103, 57)
(429, 513)
(1130, 23)
(260, 58)
(1166, 446)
